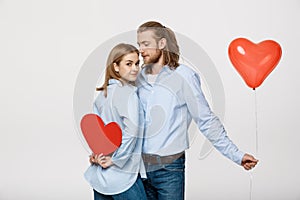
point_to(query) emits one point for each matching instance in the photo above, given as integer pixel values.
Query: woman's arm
(127, 106)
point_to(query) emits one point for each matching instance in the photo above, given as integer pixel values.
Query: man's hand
(249, 162)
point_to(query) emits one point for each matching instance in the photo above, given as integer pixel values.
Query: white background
(43, 45)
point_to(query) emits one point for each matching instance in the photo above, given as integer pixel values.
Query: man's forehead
(146, 34)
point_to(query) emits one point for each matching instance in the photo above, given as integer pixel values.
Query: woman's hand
(92, 159)
(103, 161)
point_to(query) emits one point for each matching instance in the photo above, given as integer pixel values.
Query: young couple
(154, 108)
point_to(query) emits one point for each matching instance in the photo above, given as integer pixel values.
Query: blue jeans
(135, 192)
(167, 182)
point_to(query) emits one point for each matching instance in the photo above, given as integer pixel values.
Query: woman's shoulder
(125, 89)
(125, 100)
(124, 92)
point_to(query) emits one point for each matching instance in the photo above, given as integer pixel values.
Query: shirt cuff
(238, 157)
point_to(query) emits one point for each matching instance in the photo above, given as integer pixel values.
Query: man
(171, 97)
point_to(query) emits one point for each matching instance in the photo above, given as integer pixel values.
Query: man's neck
(156, 68)
(153, 68)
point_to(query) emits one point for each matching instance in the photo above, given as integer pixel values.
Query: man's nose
(141, 49)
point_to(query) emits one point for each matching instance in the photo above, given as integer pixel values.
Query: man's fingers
(253, 160)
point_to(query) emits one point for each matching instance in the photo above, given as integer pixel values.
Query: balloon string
(251, 182)
(256, 142)
(256, 126)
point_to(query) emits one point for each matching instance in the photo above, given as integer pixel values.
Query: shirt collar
(114, 81)
(143, 79)
(119, 83)
(165, 68)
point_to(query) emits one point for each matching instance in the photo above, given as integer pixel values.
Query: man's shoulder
(185, 70)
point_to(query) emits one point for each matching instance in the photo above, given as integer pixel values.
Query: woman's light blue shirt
(122, 106)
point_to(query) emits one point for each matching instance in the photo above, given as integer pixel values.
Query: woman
(119, 176)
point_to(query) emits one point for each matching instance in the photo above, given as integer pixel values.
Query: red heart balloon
(100, 138)
(254, 62)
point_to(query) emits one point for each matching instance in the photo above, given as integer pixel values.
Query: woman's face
(129, 67)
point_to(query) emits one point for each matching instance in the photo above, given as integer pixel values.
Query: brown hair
(171, 51)
(115, 56)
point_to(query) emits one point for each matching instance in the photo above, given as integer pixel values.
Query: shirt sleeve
(95, 109)
(128, 109)
(207, 122)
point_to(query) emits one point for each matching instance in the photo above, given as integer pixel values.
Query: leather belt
(156, 159)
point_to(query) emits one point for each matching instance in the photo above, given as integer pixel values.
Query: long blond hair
(115, 56)
(171, 51)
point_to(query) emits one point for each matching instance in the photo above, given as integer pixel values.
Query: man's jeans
(166, 182)
(135, 192)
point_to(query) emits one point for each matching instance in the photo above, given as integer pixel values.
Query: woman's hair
(171, 51)
(115, 56)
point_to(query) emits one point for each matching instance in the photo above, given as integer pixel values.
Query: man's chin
(147, 62)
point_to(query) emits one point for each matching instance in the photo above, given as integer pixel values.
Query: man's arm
(210, 125)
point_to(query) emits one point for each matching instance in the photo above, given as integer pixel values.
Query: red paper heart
(100, 138)
(254, 62)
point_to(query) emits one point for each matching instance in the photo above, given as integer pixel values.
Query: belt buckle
(152, 159)
(158, 160)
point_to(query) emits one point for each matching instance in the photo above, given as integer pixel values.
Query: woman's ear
(162, 43)
(116, 67)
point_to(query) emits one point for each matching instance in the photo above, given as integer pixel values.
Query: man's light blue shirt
(122, 106)
(170, 103)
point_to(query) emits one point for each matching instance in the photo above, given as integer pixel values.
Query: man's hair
(171, 51)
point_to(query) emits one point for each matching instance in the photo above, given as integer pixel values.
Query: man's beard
(154, 58)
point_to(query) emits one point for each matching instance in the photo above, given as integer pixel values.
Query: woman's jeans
(135, 192)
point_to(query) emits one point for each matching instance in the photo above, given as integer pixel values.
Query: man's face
(148, 47)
